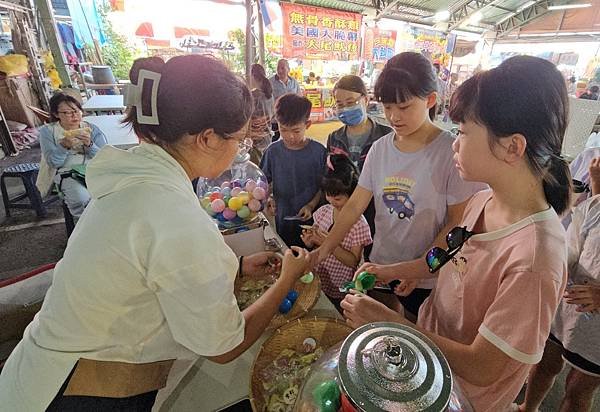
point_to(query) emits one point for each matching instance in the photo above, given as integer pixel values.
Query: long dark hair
(195, 93)
(258, 73)
(341, 177)
(528, 96)
(404, 76)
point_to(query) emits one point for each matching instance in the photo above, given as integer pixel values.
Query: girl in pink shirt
(338, 268)
(502, 276)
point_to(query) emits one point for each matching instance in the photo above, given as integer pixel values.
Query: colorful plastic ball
(215, 189)
(259, 193)
(220, 217)
(254, 205)
(210, 212)
(245, 196)
(292, 296)
(205, 202)
(229, 214)
(235, 203)
(236, 191)
(285, 306)
(307, 278)
(236, 183)
(250, 186)
(218, 205)
(226, 199)
(263, 184)
(226, 191)
(225, 185)
(244, 212)
(215, 195)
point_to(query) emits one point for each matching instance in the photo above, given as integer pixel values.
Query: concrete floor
(27, 242)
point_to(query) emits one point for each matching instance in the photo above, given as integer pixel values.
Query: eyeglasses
(70, 112)
(580, 187)
(340, 106)
(438, 257)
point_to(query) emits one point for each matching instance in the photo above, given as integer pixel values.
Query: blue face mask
(351, 116)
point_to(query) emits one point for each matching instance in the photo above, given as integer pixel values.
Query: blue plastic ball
(221, 218)
(292, 296)
(285, 306)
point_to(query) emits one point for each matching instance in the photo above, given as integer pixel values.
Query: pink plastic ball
(235, 191)
(229, 214)
(259, 193)
(263, 184)
(250, 186)
(254, 205)
(225, 184)
(217, 205)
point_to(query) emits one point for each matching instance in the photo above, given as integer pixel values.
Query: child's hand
(595, 175)
(406, 286)
(318, 236)
(383, 273)
(307, 238)
(306, 212)
(271, 207)
(586, 297)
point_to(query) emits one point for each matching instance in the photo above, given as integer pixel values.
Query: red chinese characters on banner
(318, 33)
(380, 45)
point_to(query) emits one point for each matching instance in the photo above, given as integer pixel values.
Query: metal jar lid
(391, 367)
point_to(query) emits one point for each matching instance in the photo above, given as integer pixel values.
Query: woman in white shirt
(147, 279)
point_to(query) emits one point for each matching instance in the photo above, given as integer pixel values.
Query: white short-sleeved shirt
(580, 333)
(412, 192)
(146, 276)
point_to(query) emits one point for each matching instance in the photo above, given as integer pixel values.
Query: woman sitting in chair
(68, 144)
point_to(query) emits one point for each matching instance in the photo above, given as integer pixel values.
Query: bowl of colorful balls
(235, 198)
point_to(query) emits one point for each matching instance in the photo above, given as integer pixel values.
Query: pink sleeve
(518, 320)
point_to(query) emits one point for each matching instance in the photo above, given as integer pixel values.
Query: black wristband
(241, 260)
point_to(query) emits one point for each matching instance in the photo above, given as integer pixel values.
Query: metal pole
(50, 30)
(249, 57)
(261, 36)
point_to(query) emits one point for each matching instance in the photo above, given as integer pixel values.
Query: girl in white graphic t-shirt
(410, 176)
(504, 268)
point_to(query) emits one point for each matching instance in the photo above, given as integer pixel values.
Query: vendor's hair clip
(132, 96)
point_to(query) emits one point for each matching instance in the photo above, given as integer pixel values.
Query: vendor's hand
(297, 265)
(261, 264)
(383, 273)
(360, 309)
(306, 212)
(595, 175)
(406, 286)
(586, 297)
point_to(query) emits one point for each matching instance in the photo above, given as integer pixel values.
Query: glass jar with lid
(235, 198)
(382, 367)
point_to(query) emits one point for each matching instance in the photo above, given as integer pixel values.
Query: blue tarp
(87, 25)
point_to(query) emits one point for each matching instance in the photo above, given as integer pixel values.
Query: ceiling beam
(462, 13)
(387, 9)
(522, 18)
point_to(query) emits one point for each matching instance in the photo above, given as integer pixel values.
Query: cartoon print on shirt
(460, 264)
(396, 196)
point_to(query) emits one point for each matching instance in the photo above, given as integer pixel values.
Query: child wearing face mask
(358, 134)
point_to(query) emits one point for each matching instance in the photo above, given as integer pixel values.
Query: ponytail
(558, 184)
(259, 74)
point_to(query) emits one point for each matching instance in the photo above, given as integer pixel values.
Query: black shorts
(414, 300)
(581, 364)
